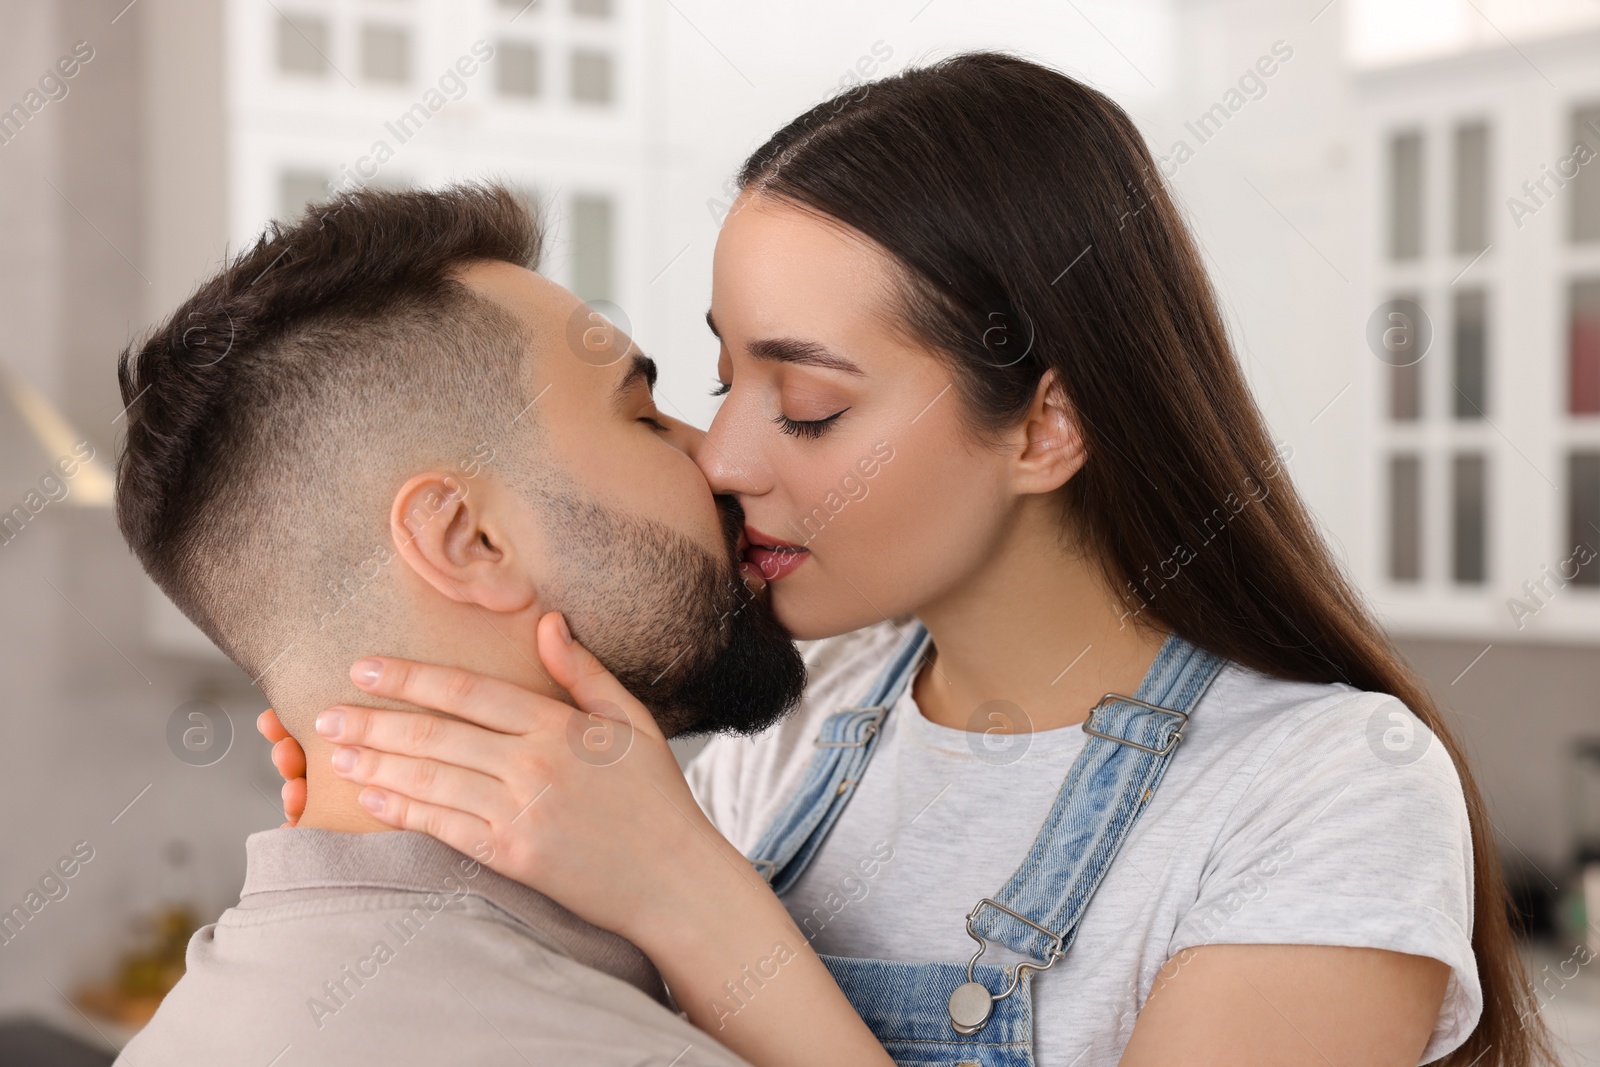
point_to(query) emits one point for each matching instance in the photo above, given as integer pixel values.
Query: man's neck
(458, 637)
(332, 803)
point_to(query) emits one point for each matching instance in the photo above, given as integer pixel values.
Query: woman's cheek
(898, 538)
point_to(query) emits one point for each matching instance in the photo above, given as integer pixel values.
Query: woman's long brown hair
(1035, 233)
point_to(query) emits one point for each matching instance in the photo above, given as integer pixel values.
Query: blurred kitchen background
(1399, 201)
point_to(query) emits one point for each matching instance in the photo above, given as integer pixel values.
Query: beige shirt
(392, 948)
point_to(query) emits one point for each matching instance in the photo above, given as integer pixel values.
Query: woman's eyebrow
(794, 350)
(807, 353)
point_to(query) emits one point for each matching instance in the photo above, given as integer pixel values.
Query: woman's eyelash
(810, 430)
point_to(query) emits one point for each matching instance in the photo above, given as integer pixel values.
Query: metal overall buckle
(971, 1004)
(1172, 742)
(868, 729)
(768, 869)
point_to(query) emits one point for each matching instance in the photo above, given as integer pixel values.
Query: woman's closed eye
(810, 429)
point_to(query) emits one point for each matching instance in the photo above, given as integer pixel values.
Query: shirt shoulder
(1345, 824)
(382, 977)
(742, 782)
(1258, 730)
(1288, 738)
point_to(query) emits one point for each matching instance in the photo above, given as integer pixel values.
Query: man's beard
(674, 623)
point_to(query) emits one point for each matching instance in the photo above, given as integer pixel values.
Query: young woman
(985, 423)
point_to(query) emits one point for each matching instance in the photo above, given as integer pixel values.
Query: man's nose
(685, 438)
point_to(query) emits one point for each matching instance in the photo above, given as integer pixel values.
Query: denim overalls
(955, 1014)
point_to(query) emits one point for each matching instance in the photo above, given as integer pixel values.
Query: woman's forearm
(745, 974)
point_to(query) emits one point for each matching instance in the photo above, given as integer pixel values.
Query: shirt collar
(296, 859)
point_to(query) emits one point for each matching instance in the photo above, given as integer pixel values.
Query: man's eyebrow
(793, 350)
(640, 368)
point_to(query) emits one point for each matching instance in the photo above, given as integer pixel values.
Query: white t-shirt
(1292, 813)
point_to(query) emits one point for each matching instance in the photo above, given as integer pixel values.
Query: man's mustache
(732, 523)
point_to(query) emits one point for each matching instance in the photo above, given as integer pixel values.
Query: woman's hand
(290, 759)
(588, 806)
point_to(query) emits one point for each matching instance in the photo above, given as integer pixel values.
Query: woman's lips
(771, 558)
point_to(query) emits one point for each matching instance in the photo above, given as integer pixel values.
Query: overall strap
(1131, 741)
(844, 745)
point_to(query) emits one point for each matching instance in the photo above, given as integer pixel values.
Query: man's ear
(451, 538)
(1050, 446)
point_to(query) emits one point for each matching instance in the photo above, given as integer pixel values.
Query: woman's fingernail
(366, 672)
(561, 625)
(330, 722)
(344, 759)
(372, 800)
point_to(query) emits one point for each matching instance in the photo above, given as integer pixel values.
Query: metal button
(970, 1007)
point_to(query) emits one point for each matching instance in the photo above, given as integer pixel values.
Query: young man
(378, 431)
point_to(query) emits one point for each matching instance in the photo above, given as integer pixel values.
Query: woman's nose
(728, 469)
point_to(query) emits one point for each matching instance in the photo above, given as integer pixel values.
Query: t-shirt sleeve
(1353, 832)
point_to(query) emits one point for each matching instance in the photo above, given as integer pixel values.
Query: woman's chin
(802, 616)
(813, 614)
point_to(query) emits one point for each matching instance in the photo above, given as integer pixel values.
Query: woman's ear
(453, 541)
(1051, 446)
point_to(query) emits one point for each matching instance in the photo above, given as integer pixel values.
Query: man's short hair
(273, 416)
